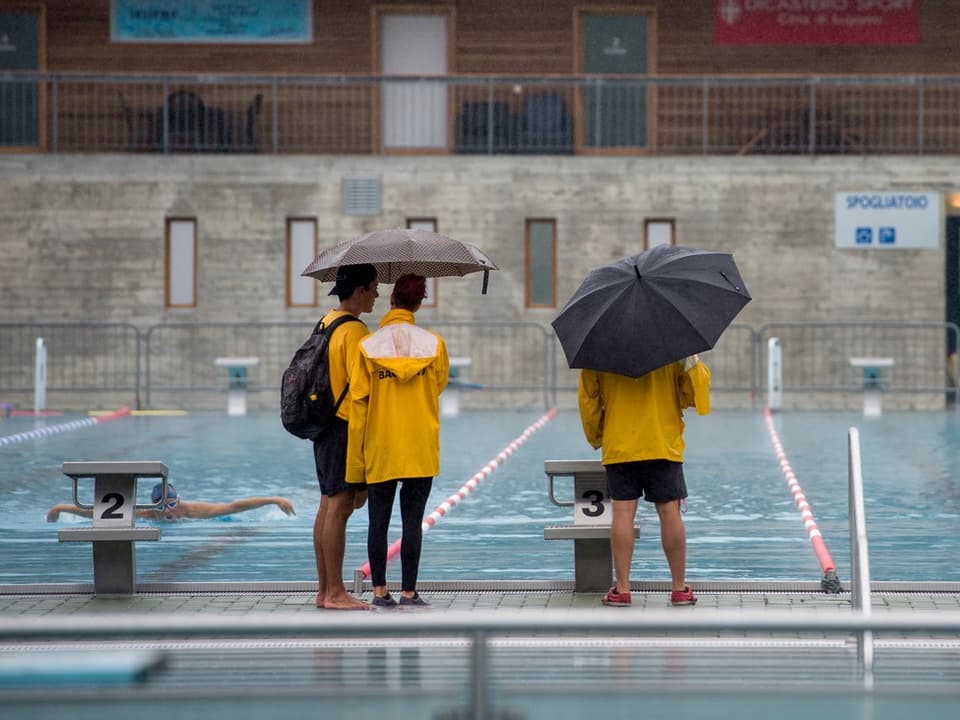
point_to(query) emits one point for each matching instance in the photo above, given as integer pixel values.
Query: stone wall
(82, 236)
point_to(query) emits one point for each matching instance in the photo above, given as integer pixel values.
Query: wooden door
(414, 114)
(614, 112)
(22, 48)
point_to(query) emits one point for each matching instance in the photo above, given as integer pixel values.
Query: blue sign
(864, 235)
(211, 21)
(887, 235)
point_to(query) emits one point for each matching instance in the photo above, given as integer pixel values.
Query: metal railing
(181, 368)
(525, 377)
(860, 600)
(513, 363)
(485, 631)
(372, 114)
(816, 356)
(97, 364)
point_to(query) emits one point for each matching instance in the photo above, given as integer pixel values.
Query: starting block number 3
(114, 502)
(591, 505)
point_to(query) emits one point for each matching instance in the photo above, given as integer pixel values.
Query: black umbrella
(645, 311)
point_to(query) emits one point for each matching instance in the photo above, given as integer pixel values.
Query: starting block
(871, 371)
(237, 377)
(450, 397)
(114, 512)
(592, 515)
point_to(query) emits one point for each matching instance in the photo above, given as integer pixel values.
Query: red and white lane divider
(63, 427)
(447, 505)
(830, 583)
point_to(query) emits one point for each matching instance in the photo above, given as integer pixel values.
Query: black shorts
(656, 481)
(330, 458)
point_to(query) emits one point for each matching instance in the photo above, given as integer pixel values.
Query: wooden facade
(491, 37)
(487, 39)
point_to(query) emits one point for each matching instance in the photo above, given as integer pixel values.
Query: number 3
(595, 497)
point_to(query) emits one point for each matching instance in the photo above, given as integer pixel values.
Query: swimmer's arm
(53, 514)
(202, 510)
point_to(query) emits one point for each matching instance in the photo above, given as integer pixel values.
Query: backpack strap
(328, 331)
(336, 405)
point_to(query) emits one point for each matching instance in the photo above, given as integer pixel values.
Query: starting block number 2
(114, 501)
(591, 505)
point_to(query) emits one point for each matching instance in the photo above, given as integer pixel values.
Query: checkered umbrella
(401, 251)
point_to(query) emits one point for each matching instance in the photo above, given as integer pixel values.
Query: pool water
(742, 523)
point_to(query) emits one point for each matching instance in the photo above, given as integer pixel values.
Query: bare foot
(321, 602)
(346, 602)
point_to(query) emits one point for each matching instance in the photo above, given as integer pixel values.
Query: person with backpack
(394, 432)
(356, 287)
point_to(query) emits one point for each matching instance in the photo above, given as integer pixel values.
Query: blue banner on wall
(211, 21)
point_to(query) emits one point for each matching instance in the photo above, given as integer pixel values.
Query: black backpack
(307, 407)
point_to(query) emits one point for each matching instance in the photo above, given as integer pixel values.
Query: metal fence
(511, 364)
(89, 365)
(372, 114)
(817, 361)
(507, 361)
(181, 369)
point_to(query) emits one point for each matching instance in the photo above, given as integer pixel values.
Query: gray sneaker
(415, 601)
(386, 601)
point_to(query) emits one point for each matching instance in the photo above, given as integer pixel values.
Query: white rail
(859, 551)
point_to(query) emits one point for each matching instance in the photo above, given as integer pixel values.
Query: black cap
(350, 277)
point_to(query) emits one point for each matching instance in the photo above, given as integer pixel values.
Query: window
(301, 251)
(541, 263)
(181, 271)
(430, 301)
(659, 231)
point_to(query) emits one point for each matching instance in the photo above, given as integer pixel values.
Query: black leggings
(413, 502)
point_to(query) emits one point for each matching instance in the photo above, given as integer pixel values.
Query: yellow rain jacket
(342, 353)
(641, 418)
(395, 386)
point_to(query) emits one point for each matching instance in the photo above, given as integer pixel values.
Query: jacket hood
(399, 346)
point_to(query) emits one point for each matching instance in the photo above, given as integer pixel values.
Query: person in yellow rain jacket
(394, 432)
(356, 289)
(638, 423)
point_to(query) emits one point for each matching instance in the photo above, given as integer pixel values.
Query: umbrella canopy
(645, 311)
(401, 251)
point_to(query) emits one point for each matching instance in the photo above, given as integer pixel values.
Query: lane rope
(830, 583)
(43, 432)
(447, 505)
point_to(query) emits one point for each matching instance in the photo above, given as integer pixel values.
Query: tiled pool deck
(299, 598)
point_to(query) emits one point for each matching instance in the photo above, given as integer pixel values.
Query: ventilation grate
(361, 196)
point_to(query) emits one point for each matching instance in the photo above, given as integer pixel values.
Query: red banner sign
(817, 22)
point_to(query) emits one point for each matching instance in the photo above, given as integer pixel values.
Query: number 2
(111, 512)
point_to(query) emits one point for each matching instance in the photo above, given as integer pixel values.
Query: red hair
(409, 291)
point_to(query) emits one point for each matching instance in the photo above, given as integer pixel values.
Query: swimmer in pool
(175, 509)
